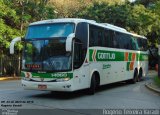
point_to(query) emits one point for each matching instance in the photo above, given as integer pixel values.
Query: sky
(132, 0)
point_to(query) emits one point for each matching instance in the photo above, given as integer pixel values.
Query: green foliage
(8, 19)
(141, 17)
(15, 15)
(157, 81)
(134, 17)
(146, 3)
(155, 8)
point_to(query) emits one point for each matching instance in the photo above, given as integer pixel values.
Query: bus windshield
(46, 55)
(45, 47)
(49, 30)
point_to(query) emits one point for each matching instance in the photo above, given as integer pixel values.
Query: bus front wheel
(92, 85)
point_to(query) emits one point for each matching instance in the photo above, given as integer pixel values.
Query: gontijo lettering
(106, 55)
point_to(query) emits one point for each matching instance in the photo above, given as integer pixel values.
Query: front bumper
(51, 86)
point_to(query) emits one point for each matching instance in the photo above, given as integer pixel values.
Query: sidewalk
(150, 84)
(9, 78)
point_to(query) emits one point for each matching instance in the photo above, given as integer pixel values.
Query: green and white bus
(73, 54)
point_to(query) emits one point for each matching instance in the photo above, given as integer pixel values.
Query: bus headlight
(62, 79)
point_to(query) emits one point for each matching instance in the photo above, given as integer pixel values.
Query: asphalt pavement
(120, 97)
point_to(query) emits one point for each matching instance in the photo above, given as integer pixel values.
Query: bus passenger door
(80, 69)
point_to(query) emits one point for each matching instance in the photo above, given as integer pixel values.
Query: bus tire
(92, 85)
(140, 74)
(135, 76)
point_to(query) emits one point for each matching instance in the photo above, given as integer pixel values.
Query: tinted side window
(128, 42)
(96, 36)
(100, 36)
(134, 43)
(92, 36)
(124, 41)
(109, 38)
(121, 40)
(142, 43)
(145, 45)
(106, 40)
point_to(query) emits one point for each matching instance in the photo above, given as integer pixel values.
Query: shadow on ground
(80, 93)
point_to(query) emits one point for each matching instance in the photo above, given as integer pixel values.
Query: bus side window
(106, 41)
(91, 37)
(122, 41)
(145, 46)
(134, 43)
(115, 40)
(120, 38)
(100, 37)
(95, 36)
(111, 38)
(139, 44)
(108, 38)
(128, 44)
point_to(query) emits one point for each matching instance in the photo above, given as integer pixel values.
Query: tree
(8, 21)
(146, 3)
(135, 18)
(30, 11)
(69, 8)
(156, 29)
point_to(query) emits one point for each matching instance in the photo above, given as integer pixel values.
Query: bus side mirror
(13, 43)
(69, 42)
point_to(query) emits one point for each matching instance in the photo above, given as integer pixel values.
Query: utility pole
(159, 61)
(1, 57)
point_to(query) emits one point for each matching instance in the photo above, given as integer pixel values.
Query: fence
(10, 66)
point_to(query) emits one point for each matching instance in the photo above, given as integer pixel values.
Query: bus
(71, 54)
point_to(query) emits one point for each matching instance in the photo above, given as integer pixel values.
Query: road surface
(114, 96)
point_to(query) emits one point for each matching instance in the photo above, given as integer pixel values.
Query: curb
(149, 86)
(9, 78)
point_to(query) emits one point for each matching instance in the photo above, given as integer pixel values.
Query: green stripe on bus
(52, 75)
(91, 53)
(130, 57)
(143, 57)
(109, 56)
(49, 75)
(128, 66)
(104, 55)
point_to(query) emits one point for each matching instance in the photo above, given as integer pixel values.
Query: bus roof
(136, 35)
(74, 20)
(114, 27)
(77, 20)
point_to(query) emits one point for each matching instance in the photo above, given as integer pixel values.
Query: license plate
(42, 87)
